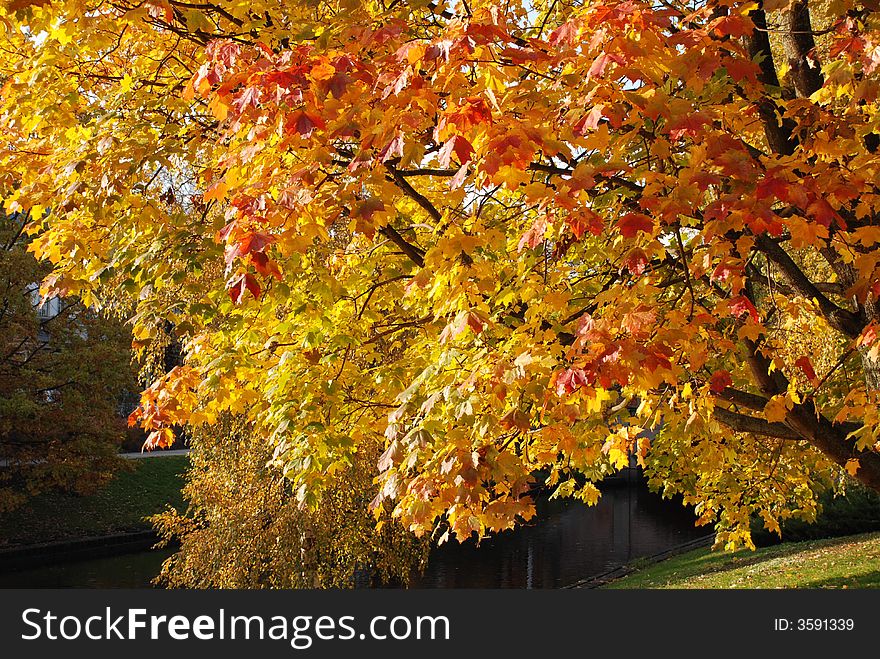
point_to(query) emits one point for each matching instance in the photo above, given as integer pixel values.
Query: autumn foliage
(517, 243)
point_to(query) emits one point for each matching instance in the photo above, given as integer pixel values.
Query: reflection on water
(568, 542)
(126, 571)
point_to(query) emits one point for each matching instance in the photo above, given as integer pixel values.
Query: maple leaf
(241, 283)
(265, 266)
(821, 211)
(732, 26)
(725, 270)
(772, 187)
(567, 33)
(215, 191)
(254, 242)
(249, 97)
(776, 410)
(590, 121)
(690, 124)
(338, 84)
(741, 306)
(636, 261)
(304, 123)
(534, 236)
(569, 380)
(636, 322)
(719, 381)
(515, 419)
(458, 145)
(584, 221)
(631, 224)
(394, 148)
(474, 111)
(597, 68)
(806, 366)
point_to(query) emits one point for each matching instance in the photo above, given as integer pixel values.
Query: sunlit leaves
(493, 242)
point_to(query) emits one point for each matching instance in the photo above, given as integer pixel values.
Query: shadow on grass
(867, 580)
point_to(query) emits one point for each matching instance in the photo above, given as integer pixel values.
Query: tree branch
(415, 254)
(412, 193)
(744, 398)
(797, 39)
(841, 319)
(754, 425)
(779, 134)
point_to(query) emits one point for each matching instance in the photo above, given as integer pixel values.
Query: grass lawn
(848, 562)
(121, 506)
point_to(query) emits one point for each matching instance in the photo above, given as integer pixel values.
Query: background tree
(504, 237)
(245, 529)
(61, 379)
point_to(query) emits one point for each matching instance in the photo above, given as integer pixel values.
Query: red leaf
(473, 112)
(569, 380)
(719, 381)
(534, 236)
(589, 121)
(394, 148)
(690, 124)
(338, 84)
(741, 69)
(254, 242)
(369, 207)
(597, 68)
(823, 212)
(734, 26)
(725, 270)
(304, 123)
(460, 146)
(771, 187)
(476, 323)
(806, 366)
(265, 266)
(247, 97)
(741, 305)
(565, 34)
(586, 221)
(636, 261)
(242, 283)
(631, 223)
(639, 319)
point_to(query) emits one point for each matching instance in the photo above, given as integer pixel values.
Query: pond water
(568, 542)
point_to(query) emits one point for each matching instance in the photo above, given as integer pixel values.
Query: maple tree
(62, 377)
(501, 238)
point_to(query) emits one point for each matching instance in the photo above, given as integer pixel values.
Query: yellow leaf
(777, 408)
(218, 108)
(61, 35)
(216, 191)
(126, 84)
(852, 466)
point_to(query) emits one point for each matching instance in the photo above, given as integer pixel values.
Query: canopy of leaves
(61, 381)
(500, 238)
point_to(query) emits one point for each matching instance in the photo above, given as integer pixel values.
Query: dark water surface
(569, 541)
